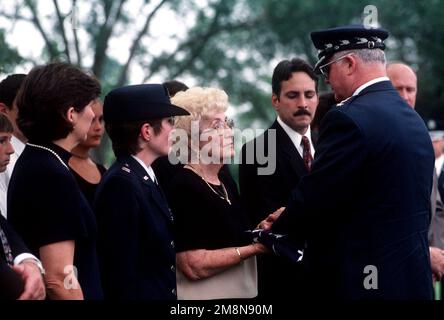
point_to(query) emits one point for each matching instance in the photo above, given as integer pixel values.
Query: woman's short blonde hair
(201, 103)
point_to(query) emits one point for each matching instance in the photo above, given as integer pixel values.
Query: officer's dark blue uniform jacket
(135, 247)
(364, 209)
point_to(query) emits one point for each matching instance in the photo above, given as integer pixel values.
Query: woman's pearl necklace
(49, 150)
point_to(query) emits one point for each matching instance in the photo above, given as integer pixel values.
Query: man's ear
(145, 131)
(3, 108)
(275, 101)
(351, 64)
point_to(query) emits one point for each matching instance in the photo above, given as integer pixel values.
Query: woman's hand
(260, 248)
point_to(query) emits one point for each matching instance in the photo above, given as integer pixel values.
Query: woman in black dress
(45, 205)
(214, 259)
(87, 172)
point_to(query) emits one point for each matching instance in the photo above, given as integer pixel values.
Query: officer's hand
(31, 276)
(268, 222)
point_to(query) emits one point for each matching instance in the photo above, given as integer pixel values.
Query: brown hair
(326, 102)
(9, 88)
(285, 69)
(124, 136)
(5, 124)
(46, 95)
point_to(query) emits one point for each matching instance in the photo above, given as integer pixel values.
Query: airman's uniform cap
(138, 103)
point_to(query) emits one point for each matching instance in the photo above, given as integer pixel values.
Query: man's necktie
(6, 248)
(306, 153)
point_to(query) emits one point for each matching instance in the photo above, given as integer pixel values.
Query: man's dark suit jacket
(11, 285)
(264, 194)
(364, 209)
(441, 183)
(135, 242)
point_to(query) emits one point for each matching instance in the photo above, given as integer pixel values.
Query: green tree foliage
(9, 58)
(418, 30)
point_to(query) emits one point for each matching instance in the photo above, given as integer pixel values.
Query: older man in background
(405, 81)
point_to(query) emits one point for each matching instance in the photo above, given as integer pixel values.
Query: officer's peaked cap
(330, 41)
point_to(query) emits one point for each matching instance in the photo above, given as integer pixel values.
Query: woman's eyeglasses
(219, 124)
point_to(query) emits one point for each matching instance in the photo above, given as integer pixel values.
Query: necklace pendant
(223, 196)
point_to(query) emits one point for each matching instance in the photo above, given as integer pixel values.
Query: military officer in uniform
(135, 246)
(364, 208)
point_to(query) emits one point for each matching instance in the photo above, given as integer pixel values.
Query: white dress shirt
(6, 176)
(296, 137)
(367, 84)
(148, 169)
(362, 87)
(438, 164)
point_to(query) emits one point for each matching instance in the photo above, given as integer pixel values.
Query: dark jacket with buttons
(364, 208)
(135, 246)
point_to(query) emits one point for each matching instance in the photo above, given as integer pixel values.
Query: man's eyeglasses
(325, 68)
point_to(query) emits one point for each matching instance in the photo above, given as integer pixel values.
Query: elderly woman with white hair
(214, 258)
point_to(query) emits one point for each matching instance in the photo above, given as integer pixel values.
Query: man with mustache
(295, 99)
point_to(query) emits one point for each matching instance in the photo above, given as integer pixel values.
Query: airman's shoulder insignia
(340, 104)
(125, 168)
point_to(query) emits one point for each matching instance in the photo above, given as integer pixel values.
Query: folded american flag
(282, 245)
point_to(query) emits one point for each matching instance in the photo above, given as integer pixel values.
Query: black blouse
(202, 219)
(46, 206)
(88, 188)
